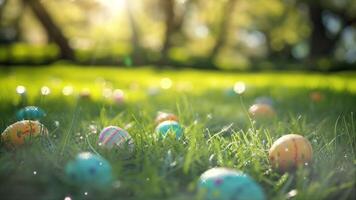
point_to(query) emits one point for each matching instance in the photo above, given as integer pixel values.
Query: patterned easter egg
(115, 136)
(22, 131)
(163, 116)
(261, 111)
(30, 113)
(264, 100)
(169, 127)
(289, 152)
(89, 170)
(228, 184)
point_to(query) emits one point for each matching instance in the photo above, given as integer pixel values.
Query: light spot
(67, 90)
(67, 198)
(20, 89)
(286, 149)
(306, 164)
(107, 92)
(239, 87)
(292, 193)
(45, 90)
(166, 83)
(34, 172)
(86, 193)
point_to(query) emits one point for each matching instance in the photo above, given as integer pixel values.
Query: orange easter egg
(21, 131)
(261, 111)
(162, 116)
(316, 96)
(289, 152)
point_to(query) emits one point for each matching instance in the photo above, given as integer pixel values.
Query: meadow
(217, 130)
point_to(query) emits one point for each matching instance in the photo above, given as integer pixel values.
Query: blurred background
(209, 34)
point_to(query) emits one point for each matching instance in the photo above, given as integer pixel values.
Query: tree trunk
(52, 30)
(170, 24)
(320, 43)
(135, 38)
(224, 25)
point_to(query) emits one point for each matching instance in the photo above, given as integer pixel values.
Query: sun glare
(113, 6)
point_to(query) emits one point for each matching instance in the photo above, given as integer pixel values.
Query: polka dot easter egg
(163, 116)
(30, 113)
(289, 152)
(261, 111)
(228, 184)
(115, 136)
(89, 170)
(169, 127)
(22, 131)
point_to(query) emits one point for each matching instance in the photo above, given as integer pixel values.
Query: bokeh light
(239, 87)
(45, 90)
(166, 83)
(20, 89)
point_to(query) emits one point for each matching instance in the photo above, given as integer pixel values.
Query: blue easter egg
(89, 170)
(228, 184)
(30, 113)
(264, 100)
(169, 127)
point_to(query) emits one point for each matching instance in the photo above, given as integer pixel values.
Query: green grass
(218, 131)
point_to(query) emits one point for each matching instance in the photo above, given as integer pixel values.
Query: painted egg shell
(226, 184)
(289, 152)
(115, 136)
(162, 116)
(264, 100)
(167, 127)
(30, 112)
(22, 131)
(89, 170)
(316, 96)
(261, 111)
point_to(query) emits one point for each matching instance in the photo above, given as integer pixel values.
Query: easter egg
(169, 127)
(163, 116)
(261, 111)
(316, 96)
(289, 152)
(264, 100)
(228, 184)
(30, 112)
(22, 131)
(89, 170)
(115, 136)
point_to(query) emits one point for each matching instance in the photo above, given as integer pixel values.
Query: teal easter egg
(89, 170)
(113, 136)
(30, 113)
(228, 184)
(169, 127)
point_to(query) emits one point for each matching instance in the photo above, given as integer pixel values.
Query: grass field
(218, 131)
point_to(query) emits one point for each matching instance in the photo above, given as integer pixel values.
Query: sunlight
(113, 6)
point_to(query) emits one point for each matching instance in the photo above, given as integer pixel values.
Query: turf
(218, 131)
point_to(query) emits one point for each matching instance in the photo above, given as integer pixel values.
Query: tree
(51, 28)
(223, 27)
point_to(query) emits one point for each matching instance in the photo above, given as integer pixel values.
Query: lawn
(217, 130)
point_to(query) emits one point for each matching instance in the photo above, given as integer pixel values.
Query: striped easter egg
(20, 132)
(115, 136)
(289, 152)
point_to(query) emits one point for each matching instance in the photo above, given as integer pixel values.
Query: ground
(218, 130)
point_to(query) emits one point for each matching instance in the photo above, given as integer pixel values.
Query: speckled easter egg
(89, 170)
(289, 152)
(264, 100)
(169, 127)
(228, 184)
(22, 131)
(30, 113)
(163, 116)
(261, 111)
(113, 136)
